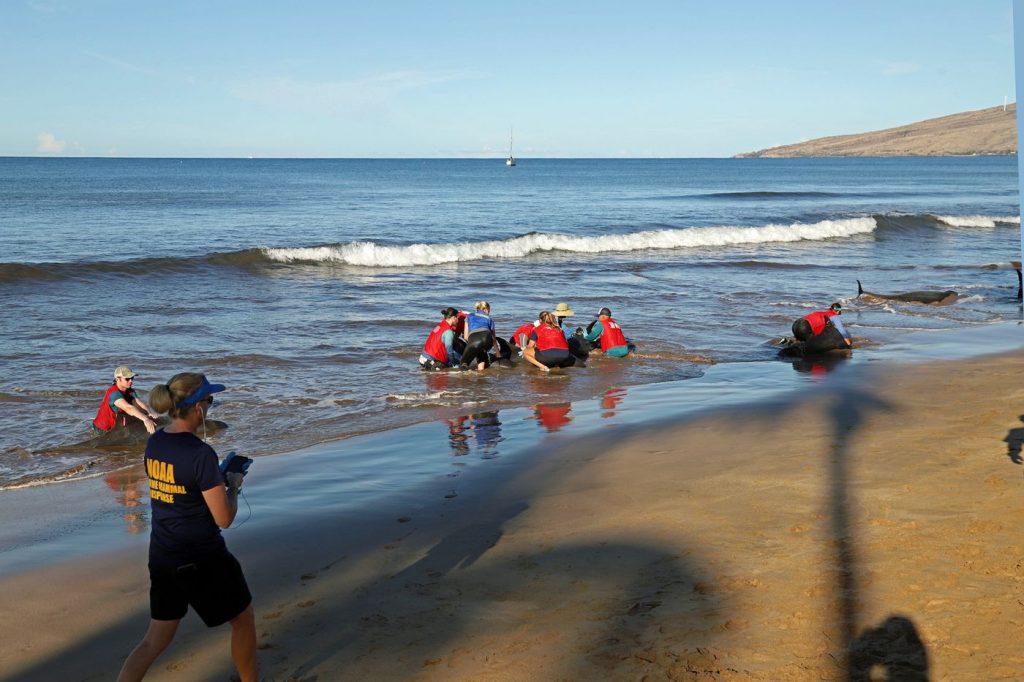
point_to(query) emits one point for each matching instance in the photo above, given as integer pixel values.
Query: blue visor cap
(205, 389)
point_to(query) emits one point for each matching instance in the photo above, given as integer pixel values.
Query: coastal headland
(868, 523)
(991, 131)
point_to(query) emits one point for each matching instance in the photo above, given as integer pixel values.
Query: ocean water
(309, 286)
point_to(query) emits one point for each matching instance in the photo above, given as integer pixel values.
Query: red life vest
(106, 418)
(818, 319)
(524, 329)
(549, 338)
(611, 334)
(460, 325)
(434, 347)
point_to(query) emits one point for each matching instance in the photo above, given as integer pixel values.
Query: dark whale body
(829, 343)
(135, 433)
(925, 297)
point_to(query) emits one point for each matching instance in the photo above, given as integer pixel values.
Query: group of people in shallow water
(469, 340)
(192, 499)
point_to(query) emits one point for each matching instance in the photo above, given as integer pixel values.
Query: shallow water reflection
(128, 488)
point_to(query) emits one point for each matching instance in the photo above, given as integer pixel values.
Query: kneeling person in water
(822, 330)
(608, 331)
(547, 346)
(480, 337)
(120, 405)
(438, 351)
(521, 336)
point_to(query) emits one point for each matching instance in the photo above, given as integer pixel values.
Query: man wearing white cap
(120, 403)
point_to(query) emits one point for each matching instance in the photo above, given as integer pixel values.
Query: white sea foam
(977, 220)
(370, 254)
(415, 397)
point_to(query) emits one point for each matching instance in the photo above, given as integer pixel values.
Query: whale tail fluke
(860, 289)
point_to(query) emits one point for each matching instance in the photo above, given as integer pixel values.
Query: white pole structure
(1018, 63)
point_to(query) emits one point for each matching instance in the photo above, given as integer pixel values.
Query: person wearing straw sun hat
(577, 346)
(613, 342)
(562, 311)
(120, 406)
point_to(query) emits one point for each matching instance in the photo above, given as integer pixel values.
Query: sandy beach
(868, 527)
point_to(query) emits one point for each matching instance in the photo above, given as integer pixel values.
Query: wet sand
(869, 524)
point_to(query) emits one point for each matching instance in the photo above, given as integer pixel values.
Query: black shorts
(554, 357)
(214, 587)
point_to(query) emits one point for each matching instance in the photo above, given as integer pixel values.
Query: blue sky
(689, 78)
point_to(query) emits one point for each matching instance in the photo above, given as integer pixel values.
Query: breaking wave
(371, 254)
(977, 220)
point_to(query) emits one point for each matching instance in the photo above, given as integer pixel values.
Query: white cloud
(287, 93)
(49, 144)
(900, 68)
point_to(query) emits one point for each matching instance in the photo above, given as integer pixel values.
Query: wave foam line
(371, 254)
(977, 220)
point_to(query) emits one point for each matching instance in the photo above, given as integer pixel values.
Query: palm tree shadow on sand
(892, 650)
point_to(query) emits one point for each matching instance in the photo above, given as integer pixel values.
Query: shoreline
(108, 510)
(718, 543)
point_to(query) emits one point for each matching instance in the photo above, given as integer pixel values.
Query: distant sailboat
(511, 160)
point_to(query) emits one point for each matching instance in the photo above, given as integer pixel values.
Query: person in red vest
(822, 331)
(121, 407)
(817, 323)
(438, 351)
(608, 331)
(521, 336)
(547, 346)
(460, 324)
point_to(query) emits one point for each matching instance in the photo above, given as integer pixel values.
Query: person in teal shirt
(607, 334)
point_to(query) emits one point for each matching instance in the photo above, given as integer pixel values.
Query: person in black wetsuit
(480, 338)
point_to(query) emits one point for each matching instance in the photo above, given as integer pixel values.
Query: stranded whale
(926, 297)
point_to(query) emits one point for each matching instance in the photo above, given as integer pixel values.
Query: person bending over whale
(480, 337)
(822, 331)
(438, 351)
(547, 346)
(521, 336)
(608, 331)
(121, 407)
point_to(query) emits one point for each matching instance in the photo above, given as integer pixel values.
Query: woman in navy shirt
(189, 564)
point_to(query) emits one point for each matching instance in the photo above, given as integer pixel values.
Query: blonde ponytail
(164, 397)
